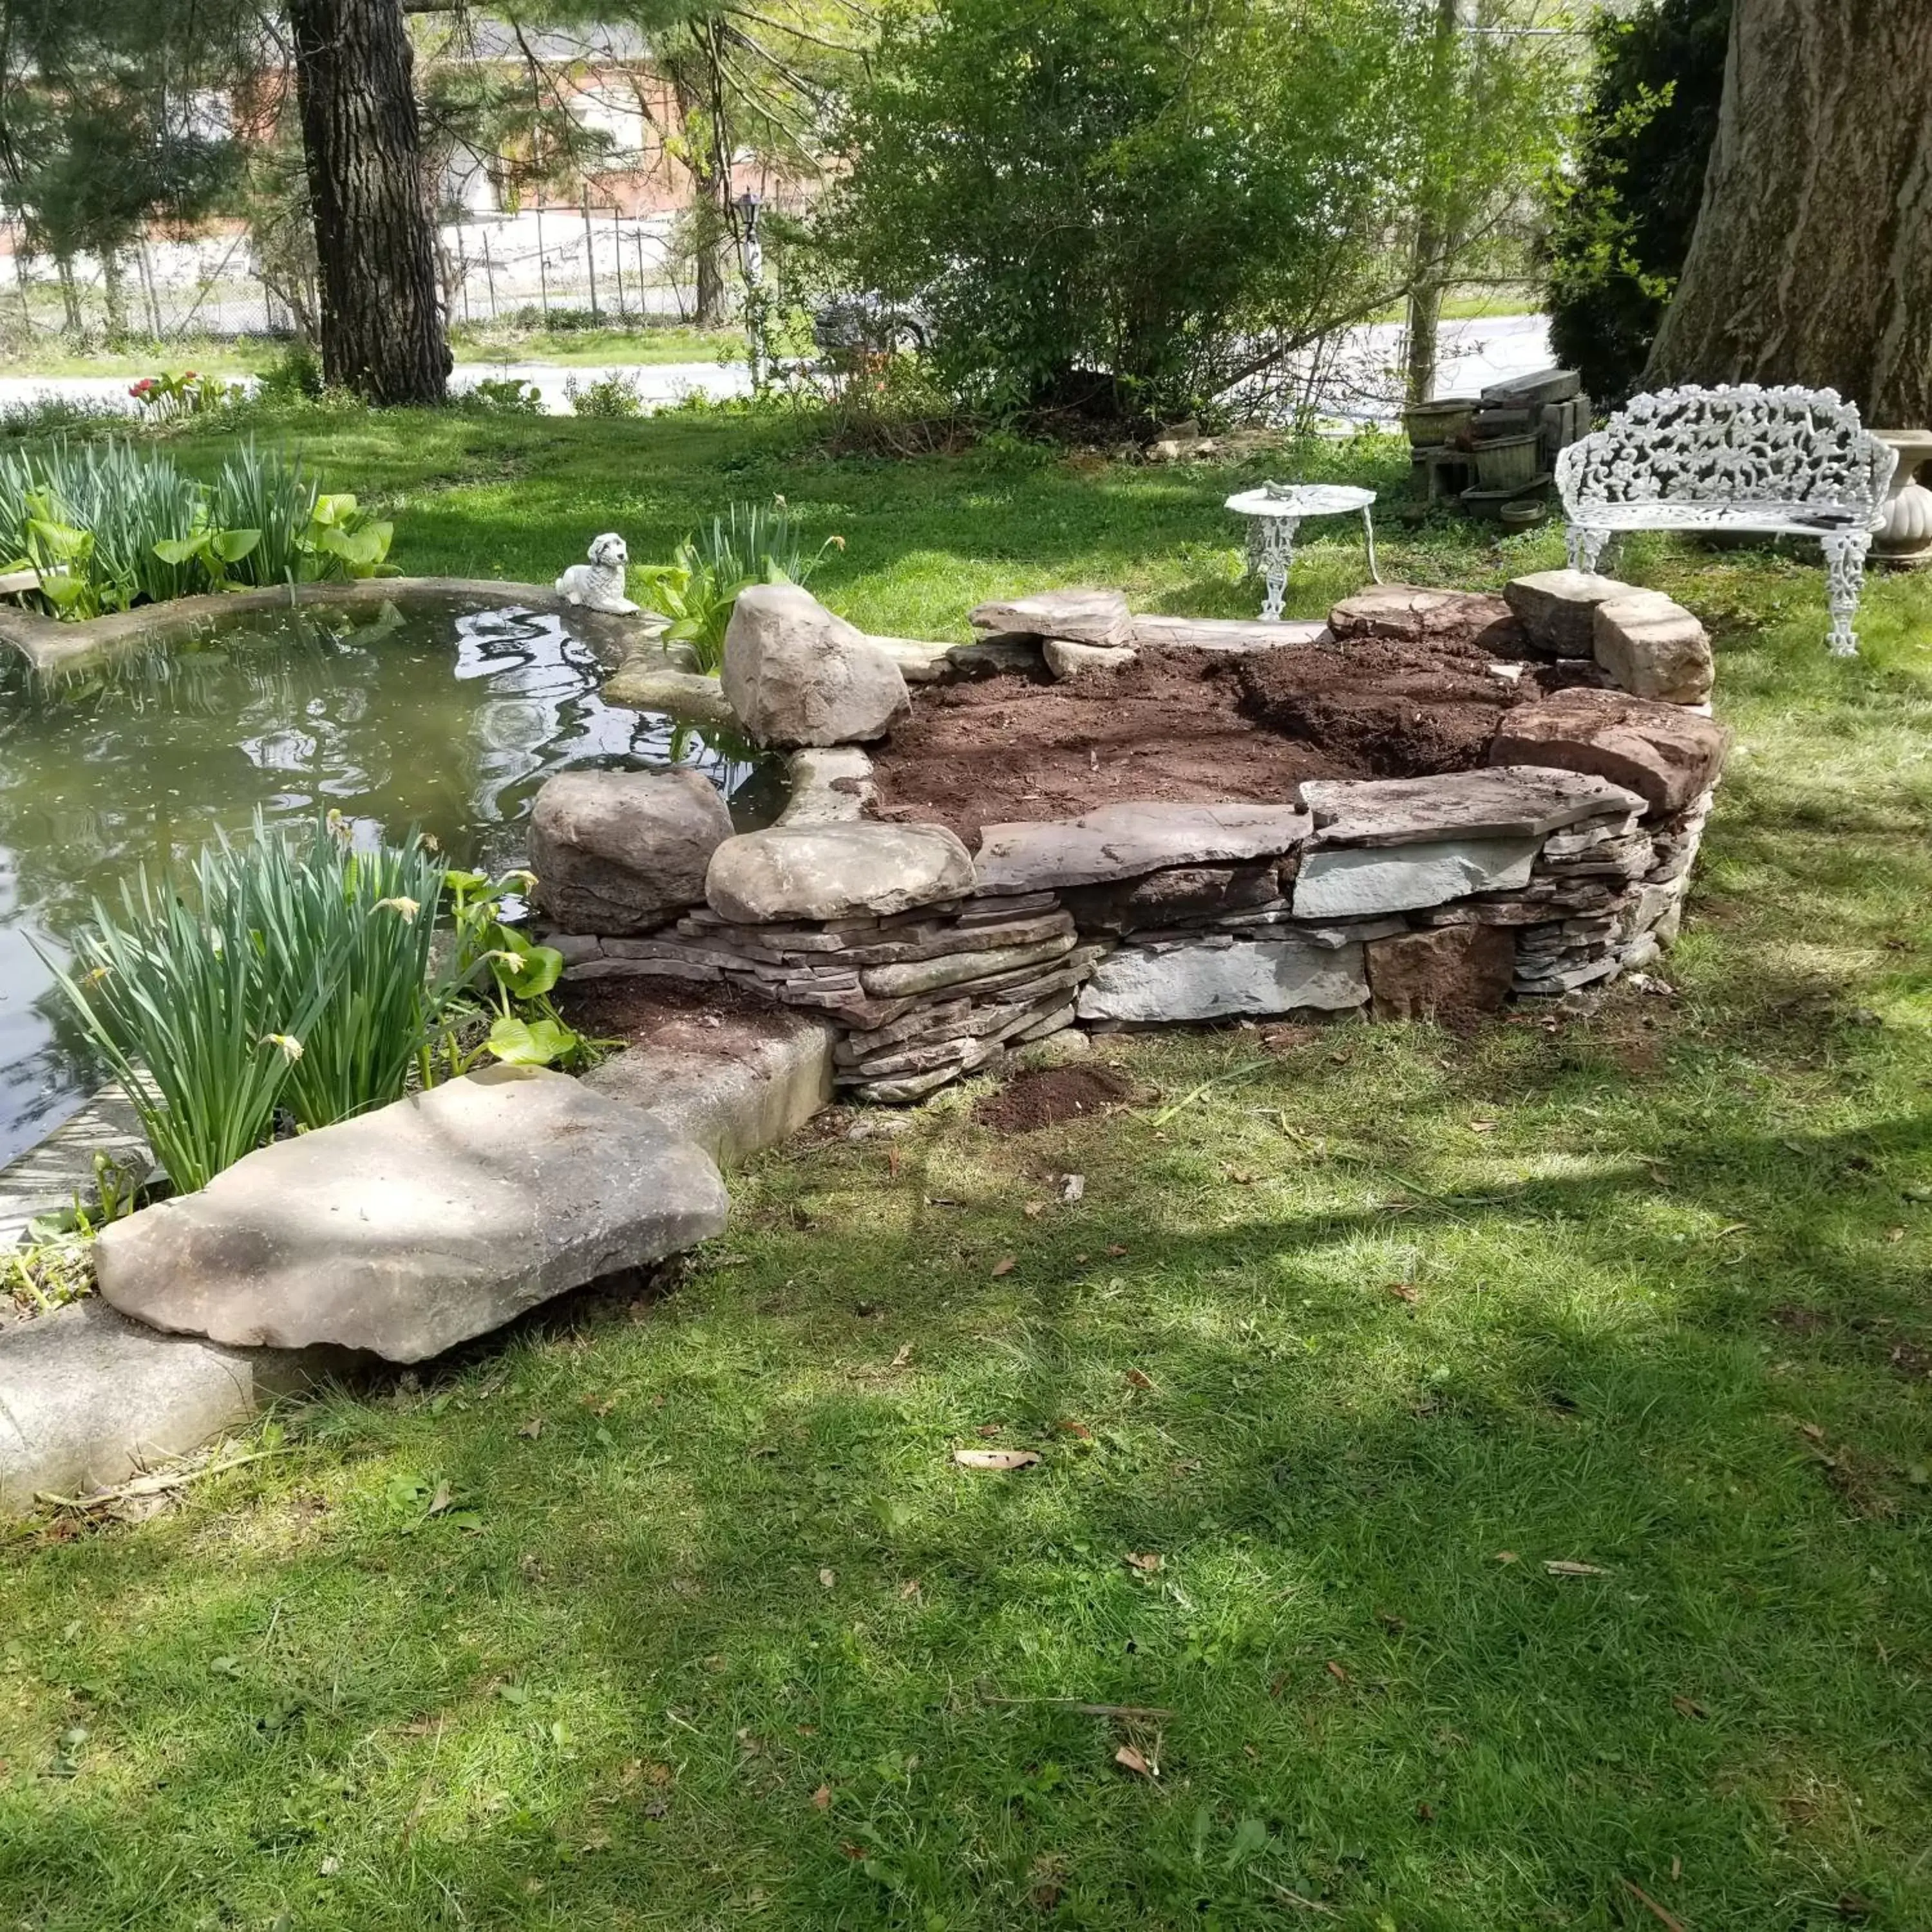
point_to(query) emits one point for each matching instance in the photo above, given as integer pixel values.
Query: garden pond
(443, 720)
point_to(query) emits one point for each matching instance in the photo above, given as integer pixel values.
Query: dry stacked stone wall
(1560, 864)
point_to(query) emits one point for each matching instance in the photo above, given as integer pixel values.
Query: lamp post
(752, 256)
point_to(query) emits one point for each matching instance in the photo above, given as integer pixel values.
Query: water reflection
(446, 720)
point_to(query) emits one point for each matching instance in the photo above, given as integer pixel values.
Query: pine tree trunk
(382, 328)
(1812, 259)
(693, 87)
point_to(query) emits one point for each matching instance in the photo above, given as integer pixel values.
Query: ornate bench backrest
(1802, 448)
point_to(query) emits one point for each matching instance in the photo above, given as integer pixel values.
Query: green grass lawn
(712, 1632)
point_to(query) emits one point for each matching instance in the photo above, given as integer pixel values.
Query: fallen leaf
(1895, 1234)
(1484, 1127)
(1811, 1429)
(1004, 1265)
(1078, 1429)
(1688, 1707)
(1563, 1566)
(988, 1429)
(600, 1408)
(822, 1797)
(1734, 1227)
(828, 1577)
(1128, 1759)
(1335, 1671)
(1242, 1178)
(1034, 1210)
(1139, 1380)
(994, 1459)
(1147, 1562)
(892, 1163)
(1116, 1250)
(532, 1429)
(1507, 1556)
(903, 1356)
(439, 1501)
(1426, 1812)
(908, 1589)
(1072, 1187)
(1404, 1290)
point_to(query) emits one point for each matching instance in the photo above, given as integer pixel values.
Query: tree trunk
(382, 328)
(709, 187)
(1812, 260)
(1434, 246)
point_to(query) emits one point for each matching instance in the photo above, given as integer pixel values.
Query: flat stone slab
(1355, 881)
(88, 1397)
(1120, 841)
(731, 1083)
(1228, 634)
(412, 1229)
(1212, 978)
(920, 660)
(830, 785)
(1419, 613)
(646, 682)
(995, 657)
(1067, 660)
(1668, 753)
(1558, 608)
(1503, 801)
(49, 1177)
(1083, 616)
(835, 871)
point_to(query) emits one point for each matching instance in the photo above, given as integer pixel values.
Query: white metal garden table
(1277, 510)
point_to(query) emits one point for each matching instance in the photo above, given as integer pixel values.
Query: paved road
(1474, 354)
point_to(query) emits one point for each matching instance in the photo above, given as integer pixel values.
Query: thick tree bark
(1812, 259)
(382, 328)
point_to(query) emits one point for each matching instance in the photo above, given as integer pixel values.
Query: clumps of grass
(299, 982)
(109, 525)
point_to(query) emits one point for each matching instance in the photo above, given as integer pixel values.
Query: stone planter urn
(1904, 537)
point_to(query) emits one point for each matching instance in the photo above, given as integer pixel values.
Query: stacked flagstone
(1561, 863)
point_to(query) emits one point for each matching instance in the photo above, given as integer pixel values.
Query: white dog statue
(598, 585)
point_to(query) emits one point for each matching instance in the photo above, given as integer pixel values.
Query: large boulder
(835, 871)
(1653, 647)
(617, 852)
(1665, 753)
(1361, 881)
(1081, 617)
(406, 1231)
(797, 674)
(1413, 614)
(1558, 608)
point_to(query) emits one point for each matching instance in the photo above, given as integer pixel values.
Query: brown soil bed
(1193, 727)
(671, 1011)
(1051, 1095)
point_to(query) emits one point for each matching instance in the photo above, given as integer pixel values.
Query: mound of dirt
(1051, 1095)
(1191, 728)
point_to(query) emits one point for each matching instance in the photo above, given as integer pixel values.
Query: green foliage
(1622, 217)
(108, 525)
(615, 394)
(294, 376)
(751, 543)
(274, 976)
(167, 398)
(502, 396)
(1132, 207)
(514, 975)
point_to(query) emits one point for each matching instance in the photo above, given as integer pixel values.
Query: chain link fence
(586, 263)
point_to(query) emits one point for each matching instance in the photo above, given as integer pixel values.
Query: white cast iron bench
(1785, 462)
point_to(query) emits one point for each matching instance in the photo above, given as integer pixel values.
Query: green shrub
(503, 396)
(1622, 222)
(294, 376)
(615, 394)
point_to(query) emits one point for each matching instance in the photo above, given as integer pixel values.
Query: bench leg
(1585, 546)
(1844, 579)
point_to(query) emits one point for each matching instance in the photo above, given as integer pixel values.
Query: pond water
(439, 719)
